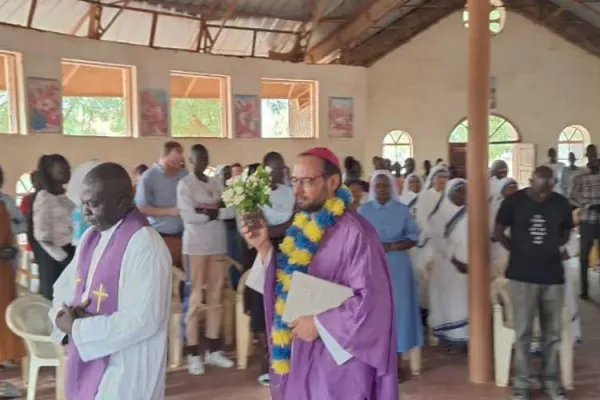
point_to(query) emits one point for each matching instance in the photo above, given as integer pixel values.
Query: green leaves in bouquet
(248, 193)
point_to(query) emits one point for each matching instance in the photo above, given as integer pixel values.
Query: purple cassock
(83, 378)
(349, 254)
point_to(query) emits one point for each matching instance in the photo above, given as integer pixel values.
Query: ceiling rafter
(396, 34)
(566, 24)
(121, 5)
(366, 18)
(231, 7)
(212, 11)
(31, 14)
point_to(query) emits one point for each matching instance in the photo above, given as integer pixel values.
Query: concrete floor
(444, 376)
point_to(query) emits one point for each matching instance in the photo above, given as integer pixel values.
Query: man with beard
(348, 352)
(585, 193)
(113, 299)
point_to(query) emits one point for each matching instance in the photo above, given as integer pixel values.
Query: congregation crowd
(399, 240)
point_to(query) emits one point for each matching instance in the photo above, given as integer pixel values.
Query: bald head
(542, 182)
(106, 195)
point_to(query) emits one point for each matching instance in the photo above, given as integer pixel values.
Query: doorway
(503, 138)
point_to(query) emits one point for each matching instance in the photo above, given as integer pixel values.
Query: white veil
(393, 189)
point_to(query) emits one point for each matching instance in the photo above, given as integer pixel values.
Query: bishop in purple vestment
(346, 353)
(113, 299)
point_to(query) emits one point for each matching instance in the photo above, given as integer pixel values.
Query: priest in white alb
(113, 299)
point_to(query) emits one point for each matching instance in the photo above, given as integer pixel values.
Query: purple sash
(83, 378)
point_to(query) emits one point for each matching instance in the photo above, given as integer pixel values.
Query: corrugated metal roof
(298, 10)
(180, 29)
(587, 10)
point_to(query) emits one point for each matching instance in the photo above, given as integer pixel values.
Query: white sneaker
(218, 359)
(195, 365)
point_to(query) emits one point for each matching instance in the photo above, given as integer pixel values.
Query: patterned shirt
(585, 193)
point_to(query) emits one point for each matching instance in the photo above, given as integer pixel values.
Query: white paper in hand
(310, 296)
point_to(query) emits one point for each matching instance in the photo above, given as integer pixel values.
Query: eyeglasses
(305, 182)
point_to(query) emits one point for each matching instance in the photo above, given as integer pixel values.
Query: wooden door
(458, 158)
(523, 163)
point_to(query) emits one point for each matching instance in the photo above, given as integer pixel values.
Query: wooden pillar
(480, 349)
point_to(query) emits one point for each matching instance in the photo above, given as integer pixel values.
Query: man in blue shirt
(156, 197)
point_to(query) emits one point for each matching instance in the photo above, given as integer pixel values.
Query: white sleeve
(340, 356)
(144, 301)
(258, 273)
(186, 206)
(256, 280)
(459, 243)
(227, 213)
(64, 291)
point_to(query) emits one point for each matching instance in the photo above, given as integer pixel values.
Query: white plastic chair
(175, 336)
(27, 274)
(27, 317)
(243, 336)
(229, 306)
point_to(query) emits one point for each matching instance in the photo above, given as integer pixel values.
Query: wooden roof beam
(398, 33)
(344, 35)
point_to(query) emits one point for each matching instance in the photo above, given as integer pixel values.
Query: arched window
(497, 16)
(502, 136)
(574, 138)
(24, 187)
(397, 146)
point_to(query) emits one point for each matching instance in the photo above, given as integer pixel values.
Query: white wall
(544, 84)
(42, 53)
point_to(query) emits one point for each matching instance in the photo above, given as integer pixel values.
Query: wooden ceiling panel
(86, 80)
(196, 87)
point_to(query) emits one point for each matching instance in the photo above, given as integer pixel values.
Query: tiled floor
(444, 376)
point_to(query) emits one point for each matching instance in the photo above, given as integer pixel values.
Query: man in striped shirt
(585, 193)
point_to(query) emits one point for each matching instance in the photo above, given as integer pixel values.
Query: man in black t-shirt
(540, 223)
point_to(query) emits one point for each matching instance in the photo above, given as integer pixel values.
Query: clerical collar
(113, 228)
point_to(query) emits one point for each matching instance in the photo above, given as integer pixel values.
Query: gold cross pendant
(100, 296)
(77, 279)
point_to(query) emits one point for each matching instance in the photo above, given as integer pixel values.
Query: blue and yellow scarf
(296, 252)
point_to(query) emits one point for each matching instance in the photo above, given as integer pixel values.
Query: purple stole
(83, 378)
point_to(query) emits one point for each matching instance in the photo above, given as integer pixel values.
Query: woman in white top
(411, 188)
(428, 204)
(498, 254)
(449, 289)
(410, 193)
(498, 171)
(52, 219)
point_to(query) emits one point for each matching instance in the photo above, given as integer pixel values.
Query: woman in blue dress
(398, 233)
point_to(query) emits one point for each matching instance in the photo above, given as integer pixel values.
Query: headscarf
(445, 219)
(428, 201)
(393, 189)
(497, 164)
(493, 181)
(435, 172)
(497, 198)
(448, 208)
(408, 197)
(75, 184)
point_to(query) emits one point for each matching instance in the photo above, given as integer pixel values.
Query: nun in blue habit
(398, 233)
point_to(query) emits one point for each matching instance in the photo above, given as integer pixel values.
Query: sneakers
(195, 365)
(218, 359)
(264, 380)
(556, 394)
(519, 394)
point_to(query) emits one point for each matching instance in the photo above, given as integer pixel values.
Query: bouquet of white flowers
(248, 193)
